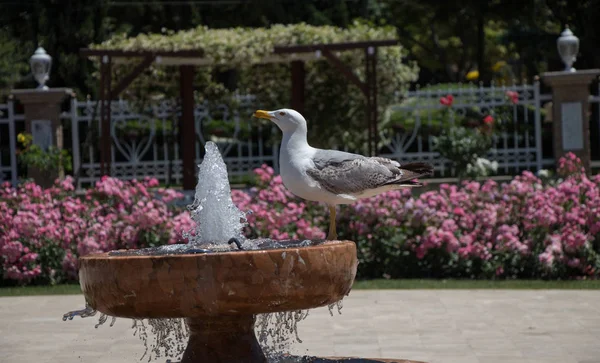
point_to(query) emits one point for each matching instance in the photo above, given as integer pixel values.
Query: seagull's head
(286, 119)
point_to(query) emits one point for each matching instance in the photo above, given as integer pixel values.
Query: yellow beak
(262, 114)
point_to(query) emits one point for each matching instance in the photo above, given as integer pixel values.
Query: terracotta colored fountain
(219, 293)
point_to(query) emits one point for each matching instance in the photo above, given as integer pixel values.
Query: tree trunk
(483, 69)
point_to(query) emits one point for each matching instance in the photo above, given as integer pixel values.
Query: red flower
(514, 97)
(488, 120)
(447, 101)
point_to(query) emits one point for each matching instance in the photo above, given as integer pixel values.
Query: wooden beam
(126, 81)
(334, 46)
(298, 85)
(198, 53)
(345, 70)
(187, 129)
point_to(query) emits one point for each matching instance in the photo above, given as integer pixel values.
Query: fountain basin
(216, 284)
(219, 293)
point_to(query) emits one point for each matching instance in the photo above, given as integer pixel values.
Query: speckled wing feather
(346, 173)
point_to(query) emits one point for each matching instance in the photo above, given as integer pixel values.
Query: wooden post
(375, 102)
(298, 85)
(187, 130)
(105, 113)
(371, 95)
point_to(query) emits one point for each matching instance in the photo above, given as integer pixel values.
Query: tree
(62, 28)
(12, 68)
(449, 39)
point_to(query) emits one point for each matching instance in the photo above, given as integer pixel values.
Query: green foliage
(244, 46)
(331, 100)
(11, 66)
(462, 146)
(44, 160)
(62, 28)
(445, 38)
(50, 257)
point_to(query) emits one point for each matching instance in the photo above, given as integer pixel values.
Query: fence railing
(147, 143)
(516, 147)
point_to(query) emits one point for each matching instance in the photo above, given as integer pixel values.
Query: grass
(476, 284)
(74, 289)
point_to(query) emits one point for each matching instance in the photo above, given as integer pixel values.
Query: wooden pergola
(187, 60)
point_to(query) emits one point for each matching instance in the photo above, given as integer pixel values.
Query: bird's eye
(282, 113)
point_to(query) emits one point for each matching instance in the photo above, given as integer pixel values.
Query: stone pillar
(42, 121)
(570, 112)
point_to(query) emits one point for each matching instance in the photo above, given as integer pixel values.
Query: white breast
(293, 168)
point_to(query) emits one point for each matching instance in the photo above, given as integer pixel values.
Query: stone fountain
(220, 287)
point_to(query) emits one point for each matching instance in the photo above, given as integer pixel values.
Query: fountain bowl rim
(105, 255)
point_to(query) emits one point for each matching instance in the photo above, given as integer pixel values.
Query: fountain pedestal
(223, 339)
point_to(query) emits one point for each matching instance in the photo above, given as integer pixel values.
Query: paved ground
(437, 326)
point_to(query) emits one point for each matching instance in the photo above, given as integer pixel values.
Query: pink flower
(488, 120)
(458, 211)
(499, 271)
(513, 96)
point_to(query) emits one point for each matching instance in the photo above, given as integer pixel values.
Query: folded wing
(346, 173)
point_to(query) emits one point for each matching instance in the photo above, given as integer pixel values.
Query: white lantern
(40, 63)
(568, 47)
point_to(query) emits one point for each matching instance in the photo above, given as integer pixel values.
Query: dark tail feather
(420, 169)
(412, 171)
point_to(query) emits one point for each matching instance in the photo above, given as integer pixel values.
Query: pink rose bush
(527, 228)
(43, 231)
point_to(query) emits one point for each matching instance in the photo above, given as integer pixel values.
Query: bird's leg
(236, 241)
(332, 235)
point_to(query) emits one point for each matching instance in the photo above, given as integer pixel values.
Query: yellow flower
(21, 138)
(498, 66)
(473, 75)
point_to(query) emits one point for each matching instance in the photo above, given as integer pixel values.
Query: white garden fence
(517, 149)
(154, 148)
(147, 144)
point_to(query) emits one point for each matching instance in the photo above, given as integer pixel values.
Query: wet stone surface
(234, 245)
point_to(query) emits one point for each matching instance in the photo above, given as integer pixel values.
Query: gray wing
(346, 173)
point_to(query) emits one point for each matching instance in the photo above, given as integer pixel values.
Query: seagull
(334, 177)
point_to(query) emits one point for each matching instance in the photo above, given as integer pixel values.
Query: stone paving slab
(436, 326)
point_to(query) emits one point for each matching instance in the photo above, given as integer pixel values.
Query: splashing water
(217, 218)
(339, 306)
(84, 313)
(169, 337)
(276, 332)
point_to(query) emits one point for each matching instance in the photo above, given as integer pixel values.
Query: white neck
(294, 144)
(296, 138)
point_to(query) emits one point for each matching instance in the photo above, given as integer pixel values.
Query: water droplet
(84, 313)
